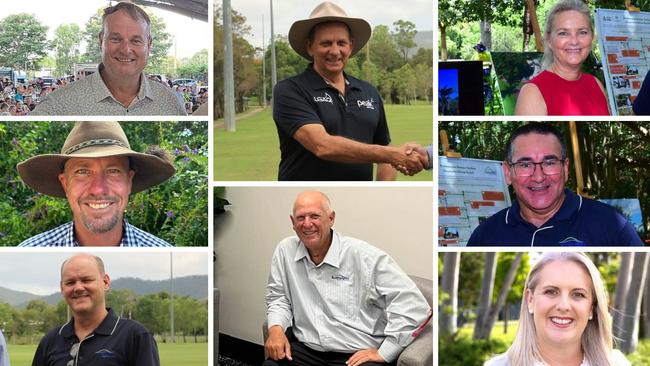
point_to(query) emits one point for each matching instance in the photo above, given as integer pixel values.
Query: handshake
(411, 158)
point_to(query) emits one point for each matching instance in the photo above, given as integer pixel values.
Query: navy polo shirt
(115, 342)
(579, 222)
(305, 99)
(641, 106)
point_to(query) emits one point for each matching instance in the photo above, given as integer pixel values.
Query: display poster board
(469, 191)
(630, 208)
(624, 42)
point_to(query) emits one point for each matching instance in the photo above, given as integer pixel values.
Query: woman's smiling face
(561, 303)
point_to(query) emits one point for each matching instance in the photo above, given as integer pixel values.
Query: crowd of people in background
(19, 99)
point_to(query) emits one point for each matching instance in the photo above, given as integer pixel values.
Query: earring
(591, 316)
(530, 311)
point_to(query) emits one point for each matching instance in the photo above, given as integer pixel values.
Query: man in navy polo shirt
(545, 212)
(95, 335)
(332, 126)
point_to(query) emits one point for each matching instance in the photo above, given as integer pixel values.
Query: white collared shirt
(356, 298)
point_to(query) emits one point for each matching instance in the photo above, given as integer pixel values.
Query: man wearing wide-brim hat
(96, 171)
(332, 126)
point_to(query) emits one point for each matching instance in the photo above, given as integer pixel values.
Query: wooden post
(577, 163)
(446, 150)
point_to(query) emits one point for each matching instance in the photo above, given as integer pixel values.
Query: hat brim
(42, 172)
(360, 32)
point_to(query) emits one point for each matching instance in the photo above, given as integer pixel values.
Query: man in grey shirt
(118, 87)
(346, 301)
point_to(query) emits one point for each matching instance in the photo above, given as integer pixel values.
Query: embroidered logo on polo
(571, 241)
(340, 278)
(326, 99)
(369, 104)
(105, 353)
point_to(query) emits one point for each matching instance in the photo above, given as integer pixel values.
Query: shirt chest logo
(326, 99)
(369, 104)
(340, 277)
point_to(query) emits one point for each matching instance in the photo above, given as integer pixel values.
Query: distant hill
(15, 298)
(193, 286)
(424, 39)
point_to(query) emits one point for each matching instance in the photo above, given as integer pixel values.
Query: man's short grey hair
(134, 11)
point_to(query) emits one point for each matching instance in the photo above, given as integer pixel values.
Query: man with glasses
(95, 335)
(545, 212)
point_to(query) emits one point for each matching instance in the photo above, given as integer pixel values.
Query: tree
(449, 292)
(383, 51)
(424, 81)
(487, 286)
(622, 284)
(405, 84)
(67, 39)
(503, 294)
(628, 330)
(23, 41)
(196, 67)
(404, 36)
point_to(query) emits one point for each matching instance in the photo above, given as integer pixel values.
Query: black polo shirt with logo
(116, 342)
(305, 99)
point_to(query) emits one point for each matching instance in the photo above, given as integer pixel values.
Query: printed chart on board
(624, 42)
(469, 191)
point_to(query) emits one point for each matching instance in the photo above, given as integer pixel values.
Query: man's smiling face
(98, 191)
(539, 194)
(125, 44)
(83, 285)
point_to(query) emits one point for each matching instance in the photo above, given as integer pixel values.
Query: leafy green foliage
(23, 39)
(66, 42)
(176, 210)
(461, 350)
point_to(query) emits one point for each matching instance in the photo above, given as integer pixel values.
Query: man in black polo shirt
(332, 126)
(95, 335)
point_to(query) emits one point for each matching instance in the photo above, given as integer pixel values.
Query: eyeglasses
(74, 351)
(527, 168)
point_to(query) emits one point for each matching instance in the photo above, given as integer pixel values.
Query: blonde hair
(597, 337)
(560, 7)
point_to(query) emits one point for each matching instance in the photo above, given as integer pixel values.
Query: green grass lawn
(253, 153)
(186, 354)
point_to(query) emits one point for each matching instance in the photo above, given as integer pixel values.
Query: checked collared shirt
(63, 236)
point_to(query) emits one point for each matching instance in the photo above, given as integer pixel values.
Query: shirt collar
(570, 207)
(128, 236)
(333, 256)
(317, 82)
(106, 327)
(144, 91)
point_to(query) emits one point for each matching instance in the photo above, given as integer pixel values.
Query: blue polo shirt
(116, 341)
(307, 99)
(579, 222)
(641, 106)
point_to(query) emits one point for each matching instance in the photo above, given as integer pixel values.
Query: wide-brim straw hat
(328, 12)
(93, 140)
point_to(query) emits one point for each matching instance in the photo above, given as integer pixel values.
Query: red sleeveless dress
(582, 97)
